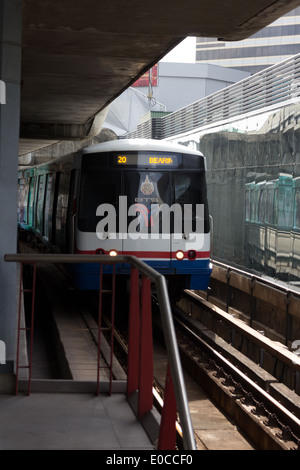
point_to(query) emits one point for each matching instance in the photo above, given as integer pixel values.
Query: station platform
(70, 421)
(65, 412)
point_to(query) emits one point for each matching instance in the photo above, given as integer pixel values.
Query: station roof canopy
(79, 55)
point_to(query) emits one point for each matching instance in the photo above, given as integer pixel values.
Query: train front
(147, 200)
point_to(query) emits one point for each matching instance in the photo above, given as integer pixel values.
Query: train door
(48, 207)
(39, 209)
(61, 211)
(71, 213)
(148, 198)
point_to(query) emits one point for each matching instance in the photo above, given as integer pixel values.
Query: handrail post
(112, 335)
(145, 399)
(21, 291)
(175, 365)
(99, 327)
(19, 327)
(167, 432)
(133, 333)
(32, 325)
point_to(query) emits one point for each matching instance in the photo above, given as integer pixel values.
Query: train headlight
(113, 253)
(179, 255)
(192, 254)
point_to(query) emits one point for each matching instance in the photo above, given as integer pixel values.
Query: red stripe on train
(148, 254)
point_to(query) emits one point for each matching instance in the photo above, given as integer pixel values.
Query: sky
(184, 52)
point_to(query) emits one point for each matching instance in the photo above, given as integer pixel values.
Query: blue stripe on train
(197, 272)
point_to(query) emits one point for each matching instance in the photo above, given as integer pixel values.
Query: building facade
(272, 44)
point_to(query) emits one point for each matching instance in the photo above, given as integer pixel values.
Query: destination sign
(151, 159)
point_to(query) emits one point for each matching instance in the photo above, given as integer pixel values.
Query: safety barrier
(267, 88)
(140, 345)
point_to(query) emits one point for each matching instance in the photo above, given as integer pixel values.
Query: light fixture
(113, 253)
(179, 255)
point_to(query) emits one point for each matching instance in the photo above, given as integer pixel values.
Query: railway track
(262, 418)
(238, 388)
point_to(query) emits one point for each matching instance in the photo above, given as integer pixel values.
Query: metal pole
(32, 326)
(19, 328)
(112, 328)
(145, 402)
(175, 365)
(99, 326)
(133, 333)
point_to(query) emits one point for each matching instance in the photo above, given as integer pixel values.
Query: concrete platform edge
(71, 386)
(150, 422)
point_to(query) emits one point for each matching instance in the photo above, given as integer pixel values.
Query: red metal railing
(140, 341)
(111, 328)
(24, 328)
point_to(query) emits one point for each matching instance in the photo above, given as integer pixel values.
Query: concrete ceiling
(79, 55)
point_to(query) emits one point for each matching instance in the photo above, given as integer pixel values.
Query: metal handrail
(166, 316)
(271, 86)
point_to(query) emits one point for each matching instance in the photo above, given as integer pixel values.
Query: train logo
(147, 187)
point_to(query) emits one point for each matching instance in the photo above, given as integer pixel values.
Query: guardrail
(269, 87)
(140, 364)
(280, 298)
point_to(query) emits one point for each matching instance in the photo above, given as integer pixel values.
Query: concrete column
(10, 72)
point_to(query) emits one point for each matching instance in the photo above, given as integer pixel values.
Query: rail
(175, 377)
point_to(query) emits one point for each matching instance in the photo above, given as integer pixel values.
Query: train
(140, 197)
(272, 225)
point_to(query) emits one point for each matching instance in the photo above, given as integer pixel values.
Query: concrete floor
(69, 421)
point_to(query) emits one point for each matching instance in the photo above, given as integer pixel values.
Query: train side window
(297, 209)
(262, 206)
(48, 200)
(285, 207)
(252, 205)
(40, 204)
(247, 205)
(23, 191)
(31, 201)
(275, 207)
(52, 230)
(269, 205)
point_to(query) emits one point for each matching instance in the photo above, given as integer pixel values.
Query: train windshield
(190, 193)
(97, 187)
(139, 195)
